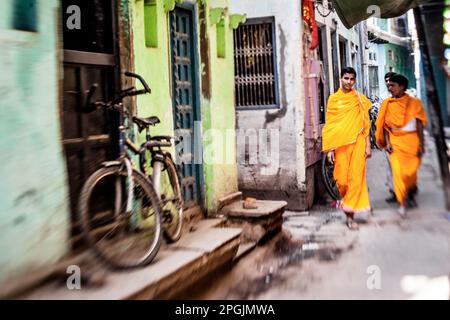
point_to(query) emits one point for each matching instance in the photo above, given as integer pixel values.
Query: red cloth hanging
(310, 18)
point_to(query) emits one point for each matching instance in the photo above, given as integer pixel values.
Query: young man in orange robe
(400, 124)
(345, 139)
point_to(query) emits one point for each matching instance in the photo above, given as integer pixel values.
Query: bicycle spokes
(121, 235)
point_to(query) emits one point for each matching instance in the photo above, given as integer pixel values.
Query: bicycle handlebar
(134, 75)
(89, 106)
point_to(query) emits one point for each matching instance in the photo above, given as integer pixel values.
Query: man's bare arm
(368, 152)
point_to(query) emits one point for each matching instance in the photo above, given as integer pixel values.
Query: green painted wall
(218, 117)
(153, 64)
(441, 83)
(34, 213)
(219, 114)
(403, 62)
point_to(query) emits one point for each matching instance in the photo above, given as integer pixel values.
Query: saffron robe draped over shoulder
(347, 117)
(393, 117)
(345, 131)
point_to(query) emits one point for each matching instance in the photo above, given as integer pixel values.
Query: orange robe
(394, 114)
(345, 131)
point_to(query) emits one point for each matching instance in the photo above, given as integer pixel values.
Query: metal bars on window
(255, 65)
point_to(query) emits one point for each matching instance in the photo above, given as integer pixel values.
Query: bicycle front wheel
(120, 238)
(171, 202)
(373, 138)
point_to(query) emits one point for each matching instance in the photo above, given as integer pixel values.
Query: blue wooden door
(185, 93)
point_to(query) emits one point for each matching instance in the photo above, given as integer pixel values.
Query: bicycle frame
(157, 156)
(124, 159)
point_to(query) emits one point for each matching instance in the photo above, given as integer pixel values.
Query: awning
(352, 12)
(375, 38)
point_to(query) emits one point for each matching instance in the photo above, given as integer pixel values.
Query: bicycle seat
(144, 123)
(159, 138)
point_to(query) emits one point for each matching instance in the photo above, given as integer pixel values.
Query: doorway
(90, 56)
(185, 97)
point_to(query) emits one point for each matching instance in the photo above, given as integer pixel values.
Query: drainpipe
(435, 107)
(362, 46)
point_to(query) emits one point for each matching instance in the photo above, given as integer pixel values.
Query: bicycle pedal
(167, 216)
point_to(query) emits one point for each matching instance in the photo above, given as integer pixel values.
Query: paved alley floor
(317, 257)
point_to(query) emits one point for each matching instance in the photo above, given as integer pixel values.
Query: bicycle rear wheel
(328, 177)
(171, 201)
(121, 239)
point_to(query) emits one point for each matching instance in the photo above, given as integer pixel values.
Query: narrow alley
(176, 149)
(317, 257)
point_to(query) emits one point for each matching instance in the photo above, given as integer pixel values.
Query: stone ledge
(229, 199)
(265, 209)
(175, 268)
(257, 224)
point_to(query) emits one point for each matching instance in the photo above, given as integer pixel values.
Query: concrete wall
(291, 181)
(34, 213)
(332, 23)
(283, 176)
(217, 110)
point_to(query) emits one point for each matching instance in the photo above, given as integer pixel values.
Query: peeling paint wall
(34, 212)
(288, 181)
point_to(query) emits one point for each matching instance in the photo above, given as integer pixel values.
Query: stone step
(244, 249)
(175, 268)
(229, 199)
(208, 223)
(257, 224)
(265, 209)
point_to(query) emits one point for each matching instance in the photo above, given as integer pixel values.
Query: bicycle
(373, 115)
(164, 176)
(118, 206)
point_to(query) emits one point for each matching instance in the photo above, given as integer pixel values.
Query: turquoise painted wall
(34, 213)
(152, 61)
(383, 24)
(403, 62)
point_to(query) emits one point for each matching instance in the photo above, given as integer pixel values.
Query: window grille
(255, 65)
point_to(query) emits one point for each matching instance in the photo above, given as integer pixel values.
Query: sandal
(352, 225)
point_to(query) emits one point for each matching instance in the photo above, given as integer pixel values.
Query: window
(390, 54)
(323, 85)
(343, 53)
(374, 87)
(335, 59)
(255, 65)
(25, 15)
